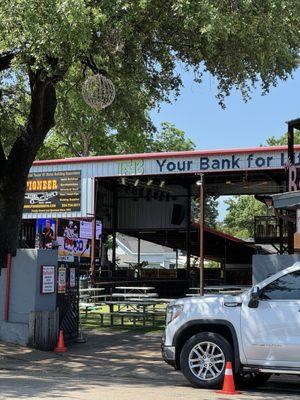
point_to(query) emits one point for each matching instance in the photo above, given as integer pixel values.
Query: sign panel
(72, 277)
(86, 229)
(61, 280)
(53, 192)
(48, 279)
(222, 162)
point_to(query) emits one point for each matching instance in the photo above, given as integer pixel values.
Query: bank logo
(131, 167)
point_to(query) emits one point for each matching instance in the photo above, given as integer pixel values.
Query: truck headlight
(173, 312)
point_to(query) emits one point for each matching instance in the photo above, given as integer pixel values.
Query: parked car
(258, 331)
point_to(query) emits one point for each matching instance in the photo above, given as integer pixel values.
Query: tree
(170, 138)
(283, 140)
(96, 140)
(47, 48)
(210, 211)
(239, 220)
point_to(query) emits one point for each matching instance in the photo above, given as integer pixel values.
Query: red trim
(224, 235)
(7, 288)
(193, 153)
(227, 236)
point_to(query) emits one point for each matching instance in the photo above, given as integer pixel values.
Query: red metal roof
(193, 153)
(226, 236)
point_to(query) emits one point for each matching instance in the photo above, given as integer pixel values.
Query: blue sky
(197, 112)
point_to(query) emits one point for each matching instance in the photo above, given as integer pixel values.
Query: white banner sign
(48, 279)
(210, 163)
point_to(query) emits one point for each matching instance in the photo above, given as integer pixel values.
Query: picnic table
(87, 290)
(138, 289)
(91, 294)
(133, 309)
(135, 295)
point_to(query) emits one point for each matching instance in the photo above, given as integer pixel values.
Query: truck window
(285, 288)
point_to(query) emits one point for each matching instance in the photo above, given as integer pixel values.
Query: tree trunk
(86, 140)
(15, 168)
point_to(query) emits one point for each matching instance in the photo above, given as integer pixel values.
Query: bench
(135, 316)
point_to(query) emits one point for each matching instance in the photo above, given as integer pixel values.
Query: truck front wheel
(203, 359)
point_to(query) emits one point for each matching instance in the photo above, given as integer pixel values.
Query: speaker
(178, 214)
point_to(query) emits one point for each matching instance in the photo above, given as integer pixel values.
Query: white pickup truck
(258, 331)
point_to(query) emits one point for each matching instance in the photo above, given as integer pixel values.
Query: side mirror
(254, 297)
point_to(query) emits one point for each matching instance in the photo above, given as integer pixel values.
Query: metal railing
(267, 230)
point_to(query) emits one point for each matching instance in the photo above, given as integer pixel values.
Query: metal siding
(140, 214)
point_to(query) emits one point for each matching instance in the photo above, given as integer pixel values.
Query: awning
(287, 200)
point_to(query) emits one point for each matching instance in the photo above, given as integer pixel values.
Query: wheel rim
(206, 361)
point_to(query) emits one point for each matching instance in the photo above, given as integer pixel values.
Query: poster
(71, 246)
(48, 279)
(86, 229)
(58, 191)
(72, 277)
(61, 280)
(45, 233)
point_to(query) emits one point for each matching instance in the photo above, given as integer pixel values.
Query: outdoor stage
(155, 197)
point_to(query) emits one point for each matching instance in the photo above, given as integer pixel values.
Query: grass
(92, 321)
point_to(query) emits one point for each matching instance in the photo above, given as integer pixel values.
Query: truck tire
(203, 359)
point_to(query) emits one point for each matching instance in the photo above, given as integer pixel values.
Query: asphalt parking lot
(111, 366)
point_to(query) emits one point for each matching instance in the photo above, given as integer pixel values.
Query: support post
(7, 288)
(291, 162)
(188, 232)
(115, 224)
(139, 252)
(201, 235)
(93, 241)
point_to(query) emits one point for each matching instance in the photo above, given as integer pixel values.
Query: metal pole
(139, 252)
(291, 162)
(93, 241)
(201, 235)
(291, 154)
(188, 233)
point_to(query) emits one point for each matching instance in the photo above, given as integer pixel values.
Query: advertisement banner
(71, 245)
(53, 192)
(72, 277)
(45, 233)
(86, 229)
(61, 280)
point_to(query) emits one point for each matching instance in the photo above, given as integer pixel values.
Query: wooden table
(134, 295)
(131, 307)
(88, 290)
(92, 294)
(138, 289)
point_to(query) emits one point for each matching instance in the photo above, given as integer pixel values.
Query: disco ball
(98, 92)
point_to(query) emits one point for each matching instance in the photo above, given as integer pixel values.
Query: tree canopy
(49, 47)
(239, 220)
(283, 140)
(64, 143)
